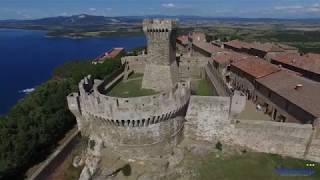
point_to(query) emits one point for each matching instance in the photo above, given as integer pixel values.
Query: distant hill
(84, 25)
(59, 22)
(84, 20)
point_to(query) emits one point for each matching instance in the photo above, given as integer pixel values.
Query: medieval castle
(149, 127)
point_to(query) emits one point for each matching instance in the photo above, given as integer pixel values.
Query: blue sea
(27, 58)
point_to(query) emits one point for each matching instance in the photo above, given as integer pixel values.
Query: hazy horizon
(279, 9)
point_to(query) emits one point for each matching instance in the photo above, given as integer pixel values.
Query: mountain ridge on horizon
(183, 17)
(62, 25)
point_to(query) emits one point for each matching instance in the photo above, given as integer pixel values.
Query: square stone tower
(161, 71)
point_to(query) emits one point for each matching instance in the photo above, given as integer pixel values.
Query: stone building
(264, 50)
(183, 44)
(245, 73)
(287, 97)
(222, 61)
(238, 46)
(308, 65)
(113, 53)
(205, 49)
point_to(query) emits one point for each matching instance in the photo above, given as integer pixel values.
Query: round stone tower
(161, 72)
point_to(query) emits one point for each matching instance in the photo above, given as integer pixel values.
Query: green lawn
(203, 88)
(250, 166)
(135, 75)
(130, 88)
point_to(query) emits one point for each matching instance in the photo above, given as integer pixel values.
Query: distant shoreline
(77, 35)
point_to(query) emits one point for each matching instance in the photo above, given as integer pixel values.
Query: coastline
(49, 33)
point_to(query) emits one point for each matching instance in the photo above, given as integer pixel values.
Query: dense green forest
(32, 128)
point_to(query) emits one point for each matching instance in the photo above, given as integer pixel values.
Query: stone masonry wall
(131, 125)
(135, 63)
(208, 119)
(272, 137)
(145, 109)
(192, 66)
(161, 72)
(160, 77)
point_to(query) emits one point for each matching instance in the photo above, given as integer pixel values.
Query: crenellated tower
(161, 67)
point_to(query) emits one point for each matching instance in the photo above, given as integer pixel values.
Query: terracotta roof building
(205, 49)
(307, 65)
(113, 53)
(238, 46)
(183, 40)
(262, 49)
(244, 73)
(254, 67)
(289, 97)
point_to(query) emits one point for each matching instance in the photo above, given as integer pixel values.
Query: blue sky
(31, 9)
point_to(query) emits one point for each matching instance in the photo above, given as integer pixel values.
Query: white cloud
(314, 8)
(168, 5)
(109, 9)
(92, 9)
(64, 14)
(295, 8)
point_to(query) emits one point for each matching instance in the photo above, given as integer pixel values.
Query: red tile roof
(284, 84)
(309, 62)
(256, 67)
(229, 57)
(208, 47)
(266, 47)
(183, 39)
(313, 56)
(238, 44)
(114, 52)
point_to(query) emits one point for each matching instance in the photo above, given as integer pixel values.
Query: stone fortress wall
(135, 63)
(189, 66)
(295, 140)
(192, 66)
(130, 125)
(151, 126)
(135, 108)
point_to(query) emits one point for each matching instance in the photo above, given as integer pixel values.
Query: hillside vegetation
(32, 128)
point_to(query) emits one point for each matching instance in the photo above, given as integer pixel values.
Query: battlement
(159, 25)
(147, 109)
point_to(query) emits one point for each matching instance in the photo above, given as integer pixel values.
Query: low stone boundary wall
(273, 137)
(56, 157)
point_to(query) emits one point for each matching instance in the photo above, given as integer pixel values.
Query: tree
(37, 122)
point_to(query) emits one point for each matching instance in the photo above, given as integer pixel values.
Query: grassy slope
(249, 166)
(203, 88)
(131, 88)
